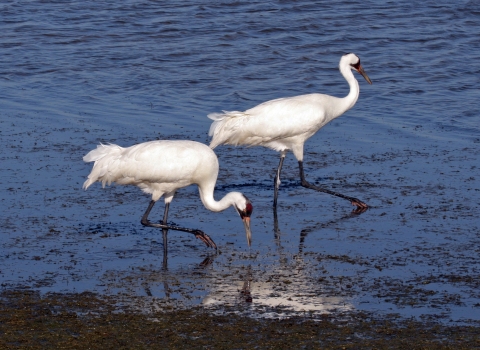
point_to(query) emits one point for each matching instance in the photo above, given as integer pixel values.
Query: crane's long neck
(352, 97)
(206, 195)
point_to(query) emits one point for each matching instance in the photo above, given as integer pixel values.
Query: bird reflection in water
(164, 275)
(266, 294)
(304, 232)
(246, 289)
(284, 289)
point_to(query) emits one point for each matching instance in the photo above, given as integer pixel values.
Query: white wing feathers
(278, 124)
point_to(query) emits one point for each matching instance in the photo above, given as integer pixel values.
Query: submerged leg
(361, 207)
(199, 234)
(277, 179)
(276, 229)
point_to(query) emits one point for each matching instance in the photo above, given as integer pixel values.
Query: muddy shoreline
(73, 321)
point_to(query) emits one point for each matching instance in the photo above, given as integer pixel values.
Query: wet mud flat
(78, 269)
(80, 321)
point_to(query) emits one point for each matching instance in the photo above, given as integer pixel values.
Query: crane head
(245, 211)
(350, 60)
(358, 67)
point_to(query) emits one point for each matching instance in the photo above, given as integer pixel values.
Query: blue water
(73, 74)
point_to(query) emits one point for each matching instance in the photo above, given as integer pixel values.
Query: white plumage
(280, 124)
(286, 123)
(162, 167)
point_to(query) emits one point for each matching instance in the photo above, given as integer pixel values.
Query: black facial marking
(356, 65)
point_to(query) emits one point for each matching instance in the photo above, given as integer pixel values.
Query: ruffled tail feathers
(224, 126)
(107, 153)
(217, 116)
(102, 151)
(217, 119)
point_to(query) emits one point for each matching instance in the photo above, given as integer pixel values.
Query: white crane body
(157, 167)
(160, 168)
(287, 123)
(280, 124)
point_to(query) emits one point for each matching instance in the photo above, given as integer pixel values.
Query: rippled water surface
(73, 74)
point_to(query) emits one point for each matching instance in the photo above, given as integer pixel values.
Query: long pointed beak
(246, 223)
(362, 72)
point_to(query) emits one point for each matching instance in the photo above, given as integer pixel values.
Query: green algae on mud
(85, 320)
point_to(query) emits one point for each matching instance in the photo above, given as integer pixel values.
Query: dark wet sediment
(81, 321)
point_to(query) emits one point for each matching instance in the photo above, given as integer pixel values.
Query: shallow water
(73, 75)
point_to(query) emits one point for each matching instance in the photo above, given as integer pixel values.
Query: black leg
(165, 231)
(145, 221)
(165, 213)
(361, 207)
(199, 234)
(165, 261)
(277, 180)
